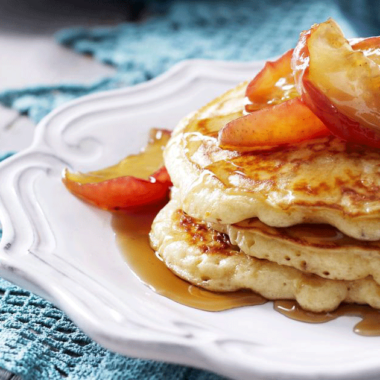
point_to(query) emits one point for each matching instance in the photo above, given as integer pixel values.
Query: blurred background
(123, 42)
(53, 51)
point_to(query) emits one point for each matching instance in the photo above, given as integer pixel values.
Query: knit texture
(37, 340)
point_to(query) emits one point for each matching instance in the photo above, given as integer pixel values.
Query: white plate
(65, 251)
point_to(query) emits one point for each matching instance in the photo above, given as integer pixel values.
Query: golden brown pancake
(206, 257)
(324, 180)
(311, 248)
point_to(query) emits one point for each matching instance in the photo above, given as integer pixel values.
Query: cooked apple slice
(285, 123)
(277, 116)
(339, 84)
(274, 84)
(369, 46)
(135, 182)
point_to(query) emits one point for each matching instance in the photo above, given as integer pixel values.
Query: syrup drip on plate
(368, 326)
(132, 235)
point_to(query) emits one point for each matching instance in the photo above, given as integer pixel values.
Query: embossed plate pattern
(64, 250)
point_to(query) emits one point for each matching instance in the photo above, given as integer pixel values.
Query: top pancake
(323, 180)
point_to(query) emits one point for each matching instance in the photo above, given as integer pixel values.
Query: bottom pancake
(206, 258)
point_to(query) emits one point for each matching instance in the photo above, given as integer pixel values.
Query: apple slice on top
(285, 123)
(135, 182)
(369, 46)
(339, 84)
(274, 84)
(278, 116)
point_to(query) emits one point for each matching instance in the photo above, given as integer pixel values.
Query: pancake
(324, 180)
(311, 248)
(206, 258)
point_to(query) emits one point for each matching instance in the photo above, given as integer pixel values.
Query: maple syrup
(132, 235)
(368, 326)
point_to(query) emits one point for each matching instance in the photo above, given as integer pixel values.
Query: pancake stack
(296, 222)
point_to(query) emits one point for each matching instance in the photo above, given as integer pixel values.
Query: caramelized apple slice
(274, 84)
(369, 46)
(339, 84)
(135, 182)
(278, 115)
(285, 123)
(277, 118)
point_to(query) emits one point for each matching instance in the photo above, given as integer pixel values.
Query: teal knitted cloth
(37, 340)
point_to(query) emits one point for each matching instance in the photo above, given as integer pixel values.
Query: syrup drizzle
(132, 236)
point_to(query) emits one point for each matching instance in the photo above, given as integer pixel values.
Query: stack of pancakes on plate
(297, 222)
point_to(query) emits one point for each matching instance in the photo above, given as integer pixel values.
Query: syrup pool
(132, 236)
